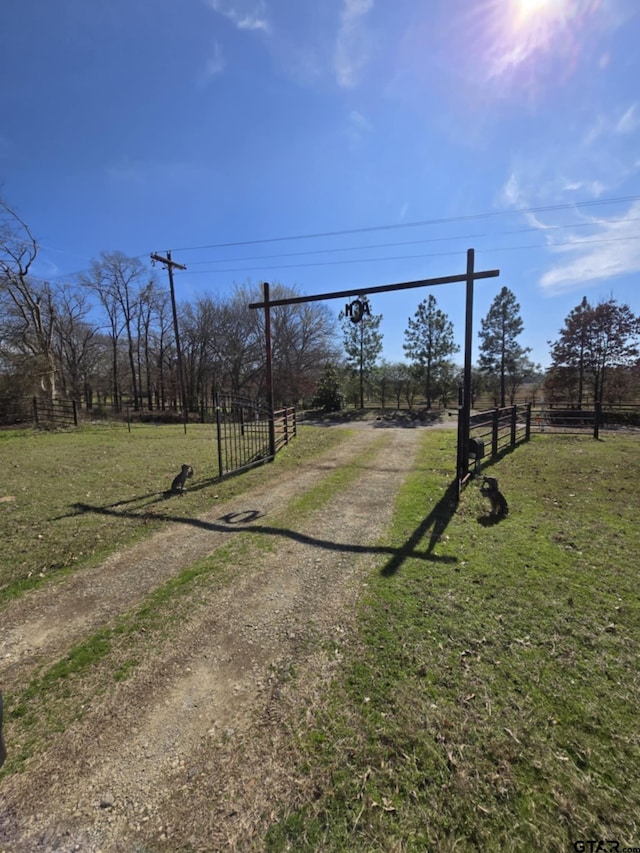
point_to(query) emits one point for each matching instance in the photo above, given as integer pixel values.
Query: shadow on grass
(144, 501)
(241, 522)
(437, 521)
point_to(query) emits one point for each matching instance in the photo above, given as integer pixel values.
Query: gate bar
(383, 288)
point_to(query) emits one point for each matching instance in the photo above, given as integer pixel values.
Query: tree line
(594, 358)
(106, 338)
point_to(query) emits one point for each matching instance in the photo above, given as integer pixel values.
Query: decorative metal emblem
(357, 309)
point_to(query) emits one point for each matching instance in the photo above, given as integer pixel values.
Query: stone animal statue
(178, 486)
(3, 749)
(499, 505)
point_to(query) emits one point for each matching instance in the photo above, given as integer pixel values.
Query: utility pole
(169, 266)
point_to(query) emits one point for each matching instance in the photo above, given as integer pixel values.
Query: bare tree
(116, 279)
(26, 303)
(303, 343)
(398, 373)
(151, 328)
(239, 344)
(75, 341)
(200, 328)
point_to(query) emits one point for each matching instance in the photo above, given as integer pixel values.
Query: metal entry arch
(464, 412)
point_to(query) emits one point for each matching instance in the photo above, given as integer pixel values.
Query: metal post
(459, 462)
(465, 411)
(514, 415)
(527, 432)
(494, 431)
(216, 403)
(597, 418)
(269, 353)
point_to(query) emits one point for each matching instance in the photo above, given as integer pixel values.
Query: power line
(547, 208)
(407, 257)
(405, 243)
(439, 221)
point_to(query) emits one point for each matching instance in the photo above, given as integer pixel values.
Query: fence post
(527, 429)
(596, 418)
(295, 423)
(514, 420)
(75, 413)
(494, 431)
(35, 410)
(286, 426)
(217, 408)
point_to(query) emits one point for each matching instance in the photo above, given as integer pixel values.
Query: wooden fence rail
(558, 417)
(285, 426)
(56, 413)
(496, 430)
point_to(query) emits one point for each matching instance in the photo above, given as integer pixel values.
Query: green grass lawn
(70, 498)
(490, 700)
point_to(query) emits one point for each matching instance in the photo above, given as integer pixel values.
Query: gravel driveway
(193, 751)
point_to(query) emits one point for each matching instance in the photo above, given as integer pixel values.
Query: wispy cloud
(606, 126)
(215, 63)
(44, 268)
(358, 126)
(514, 195)
(584, 249)
(245, 14)
(611, 249)
(351, 49)
(629, 121)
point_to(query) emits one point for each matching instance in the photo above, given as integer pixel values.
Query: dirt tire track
(205, 760)
(42, 624)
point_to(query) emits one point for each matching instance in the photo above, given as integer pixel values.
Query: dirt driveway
(193, 751)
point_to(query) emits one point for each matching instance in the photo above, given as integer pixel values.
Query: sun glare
(524, 40)
(527, 9)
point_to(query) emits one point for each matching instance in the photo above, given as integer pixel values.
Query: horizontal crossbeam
(382, 288)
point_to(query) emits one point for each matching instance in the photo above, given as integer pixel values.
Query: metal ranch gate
(247, 433)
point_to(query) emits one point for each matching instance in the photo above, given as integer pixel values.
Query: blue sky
(510, 126)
